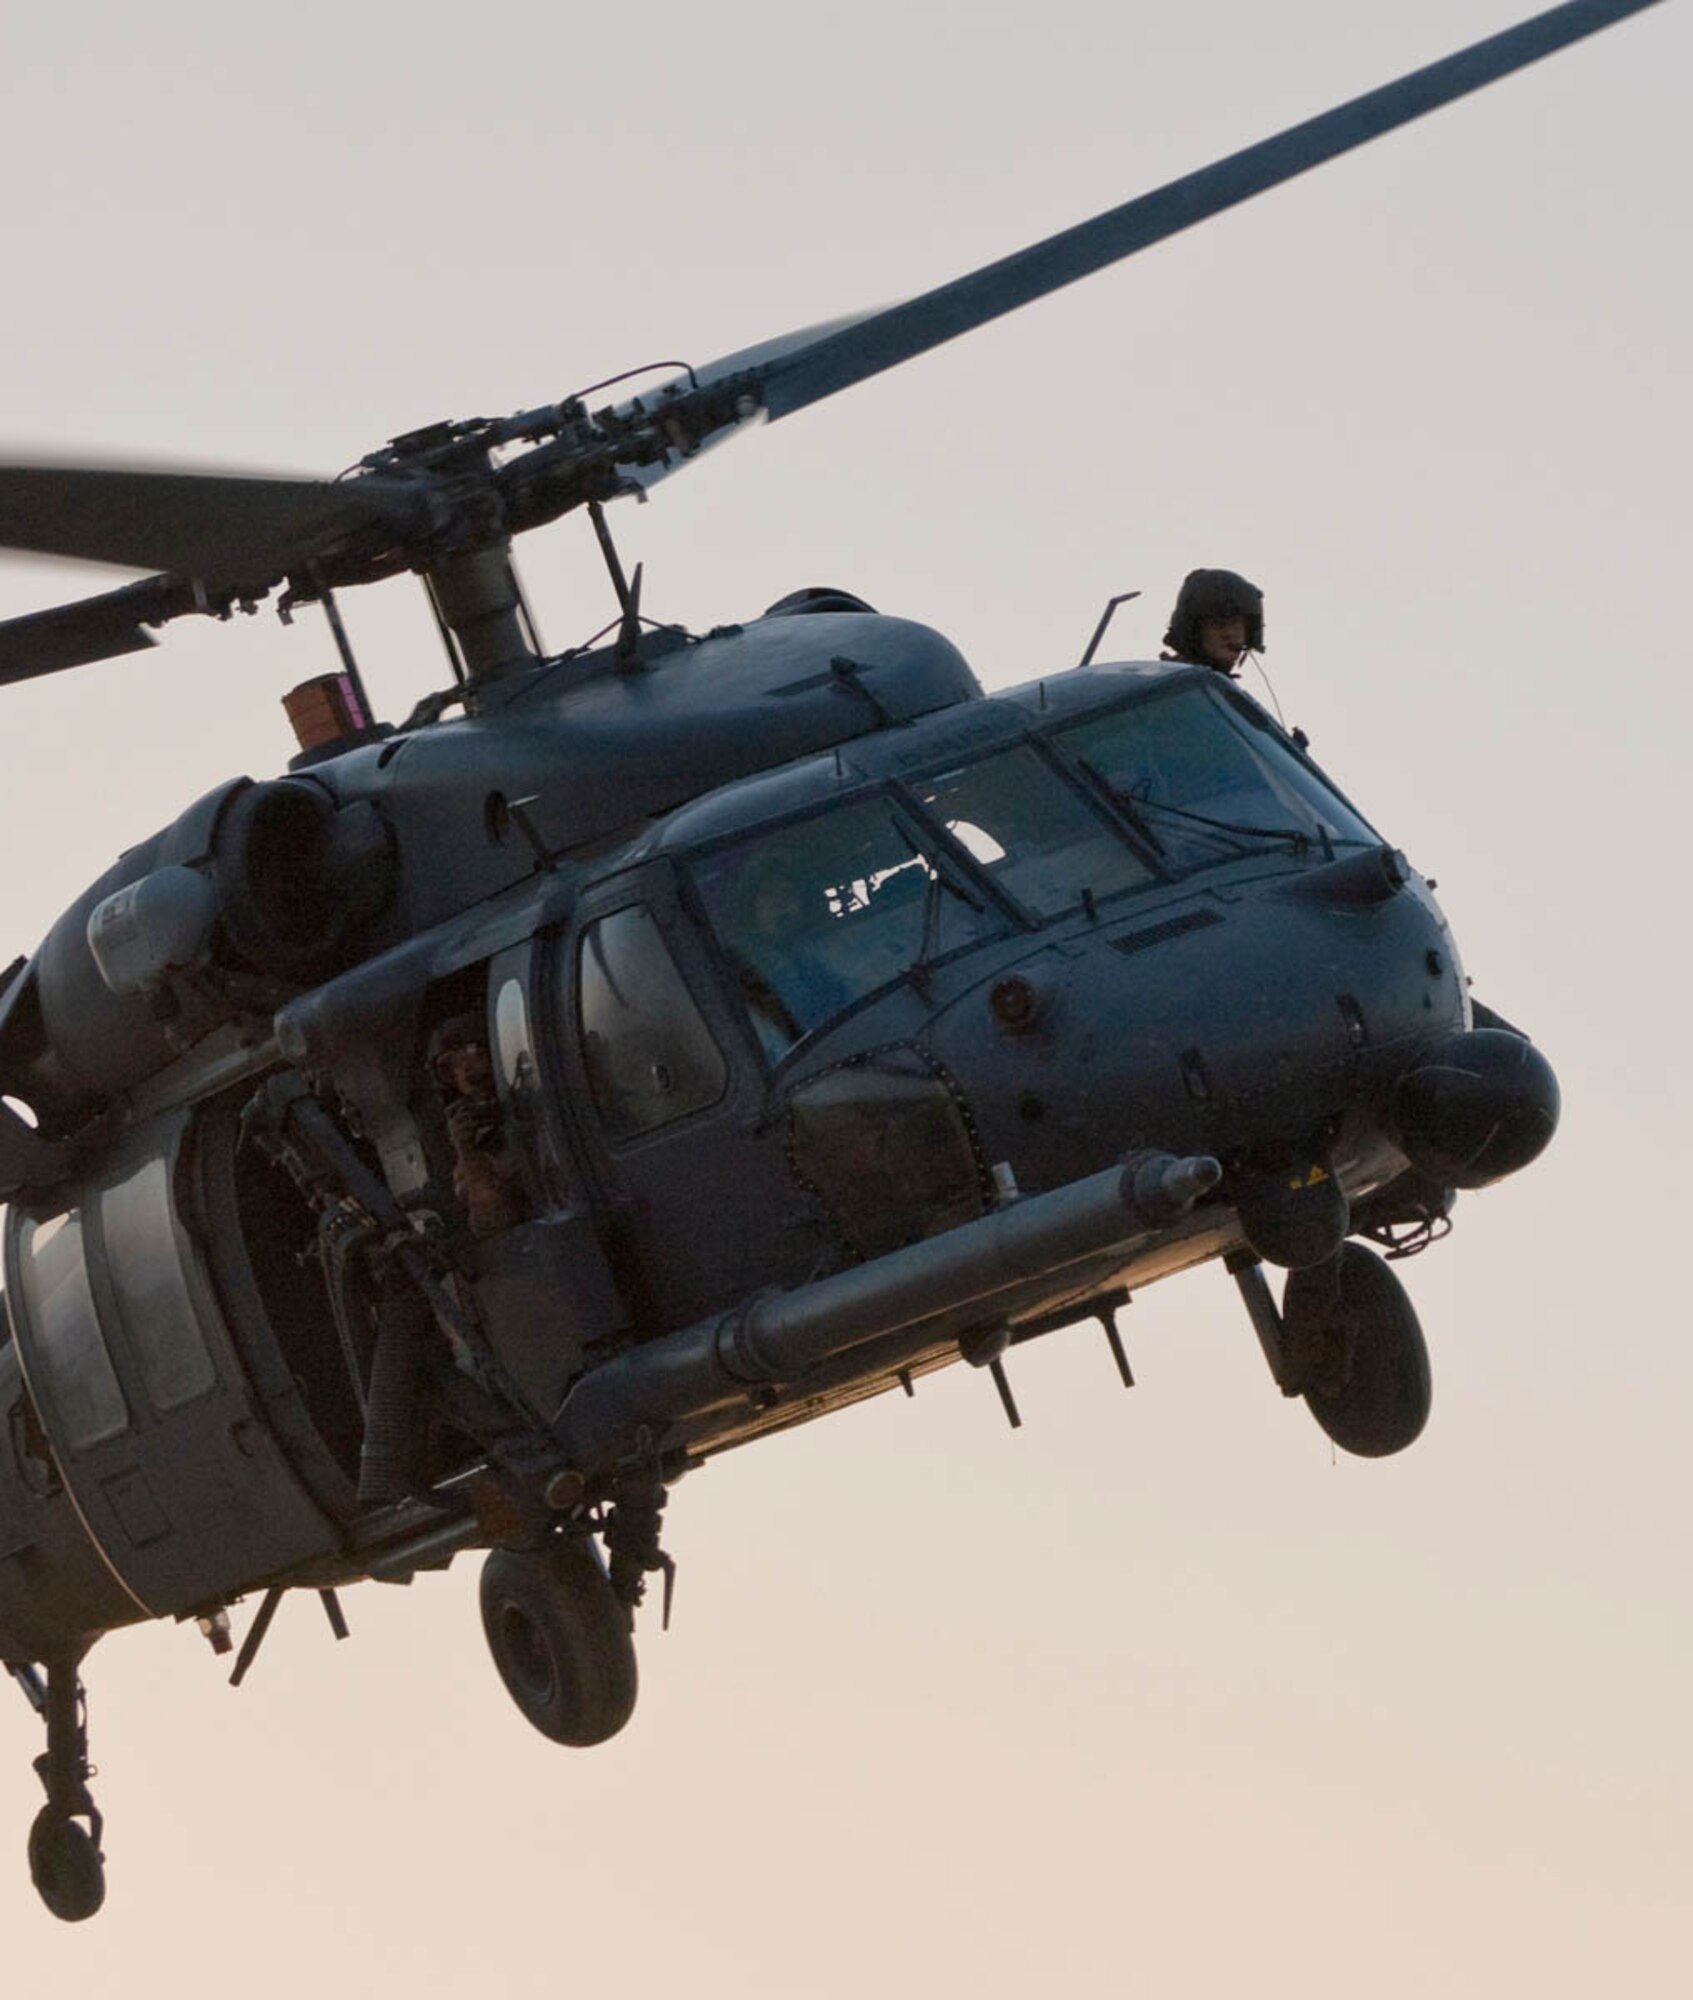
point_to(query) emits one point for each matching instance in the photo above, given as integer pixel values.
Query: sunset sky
(1158, 1694)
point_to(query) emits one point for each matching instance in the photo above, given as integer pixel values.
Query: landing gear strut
(1348, 1340)
(65, 1862)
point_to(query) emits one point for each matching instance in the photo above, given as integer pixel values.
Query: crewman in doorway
(487, 1172)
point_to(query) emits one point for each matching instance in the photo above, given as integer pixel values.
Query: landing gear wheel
(561, 1641)
(66, 1866)
(1363, 1360)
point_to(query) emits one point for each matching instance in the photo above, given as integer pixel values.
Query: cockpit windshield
(816, 914)
(1207, 783)
(1039, 840)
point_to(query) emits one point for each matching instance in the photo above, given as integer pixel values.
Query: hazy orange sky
(1157, 1694)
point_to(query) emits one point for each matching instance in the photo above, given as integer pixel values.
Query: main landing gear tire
(1363, 1357)
(66, 1866)
(561, 1640)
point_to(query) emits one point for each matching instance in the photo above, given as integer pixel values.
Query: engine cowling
(255, 892)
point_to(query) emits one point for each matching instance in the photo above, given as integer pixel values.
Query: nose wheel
(1347, 1339)
(65, 1862)
(66, 1865)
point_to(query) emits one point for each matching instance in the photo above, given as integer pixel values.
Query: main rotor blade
(95, 628)
(224, 531)
(901, 332)
(769, 355)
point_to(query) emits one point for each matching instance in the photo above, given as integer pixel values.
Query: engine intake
(254, 892)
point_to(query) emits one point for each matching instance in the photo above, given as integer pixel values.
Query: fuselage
(954, 952)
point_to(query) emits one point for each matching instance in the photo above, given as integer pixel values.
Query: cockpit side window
(649, 1055)
(817, 914)
(1034, 836)
(1204, 783)
(56, 1295)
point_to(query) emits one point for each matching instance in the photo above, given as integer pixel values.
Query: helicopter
(638, 1051)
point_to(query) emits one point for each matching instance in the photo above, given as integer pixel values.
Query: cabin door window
(649, 1055)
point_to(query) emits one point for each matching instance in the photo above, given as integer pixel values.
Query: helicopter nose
(1483, 1106)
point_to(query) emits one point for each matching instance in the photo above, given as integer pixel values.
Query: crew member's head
(1218, 617)
(458, 1057)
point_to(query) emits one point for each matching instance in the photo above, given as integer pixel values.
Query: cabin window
(649, 1054)
(69, 1348)
(1205, 783)
(819, 913)
(512, 1042)
(145, 1266)
(1031, 833)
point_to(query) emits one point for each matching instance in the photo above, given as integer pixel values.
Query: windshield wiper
(1295, 839)
(1134, 805)
(938, 879)
(1128, 806)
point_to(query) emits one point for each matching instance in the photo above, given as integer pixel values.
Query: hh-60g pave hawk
(357, 1127)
